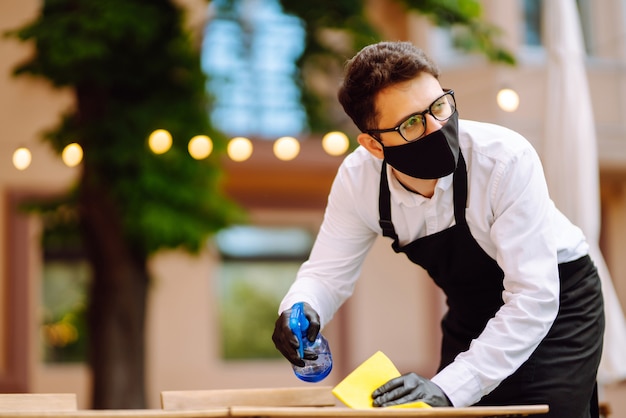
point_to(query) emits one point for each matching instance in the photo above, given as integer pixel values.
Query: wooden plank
(118, 413)
(290, 396)
(344, 412)
(38, 402)
(297, 412)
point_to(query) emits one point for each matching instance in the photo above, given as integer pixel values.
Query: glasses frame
(376, 132)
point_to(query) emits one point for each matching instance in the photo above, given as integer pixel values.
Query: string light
(72, 155)
(286, 148)
(508, 100)
(22, 158)
(239, 149)
(335, 143)
(160, 141)
(200, 147)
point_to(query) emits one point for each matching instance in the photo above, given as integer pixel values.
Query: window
(65, 281)
(64, 297)
(533, 15)
(532, 22)
(249, 53)
(259, 264)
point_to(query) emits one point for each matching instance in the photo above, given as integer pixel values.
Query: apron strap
(459, 184)
(384, 208)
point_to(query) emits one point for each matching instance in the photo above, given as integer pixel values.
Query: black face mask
(430, 157)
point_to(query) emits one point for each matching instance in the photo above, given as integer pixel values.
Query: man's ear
(373, 146)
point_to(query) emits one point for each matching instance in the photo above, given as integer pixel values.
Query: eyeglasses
(414, 126)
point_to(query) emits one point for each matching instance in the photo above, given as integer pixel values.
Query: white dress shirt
(509, 214)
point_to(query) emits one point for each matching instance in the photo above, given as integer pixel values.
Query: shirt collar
(402, 196)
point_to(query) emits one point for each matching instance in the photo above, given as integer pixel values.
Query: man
(468, 202)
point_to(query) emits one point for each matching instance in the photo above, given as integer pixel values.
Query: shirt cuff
(459, 384)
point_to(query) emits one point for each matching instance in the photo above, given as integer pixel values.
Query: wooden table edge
(473, 411)
(222, 412)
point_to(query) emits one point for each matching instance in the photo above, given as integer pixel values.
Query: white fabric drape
(570, 160)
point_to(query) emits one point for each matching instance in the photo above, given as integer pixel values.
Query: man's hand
(409, 388)
(285, 340)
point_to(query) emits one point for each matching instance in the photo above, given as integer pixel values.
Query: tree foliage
(134, 69)
(470, 33)
(473, 33)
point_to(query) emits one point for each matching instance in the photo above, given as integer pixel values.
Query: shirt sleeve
(523, 234)
(328, 277)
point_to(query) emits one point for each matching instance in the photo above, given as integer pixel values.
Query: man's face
(398, 102)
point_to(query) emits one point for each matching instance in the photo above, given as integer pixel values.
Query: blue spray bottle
(313, 370)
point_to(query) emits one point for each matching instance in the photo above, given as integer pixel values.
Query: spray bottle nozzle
(299, 325)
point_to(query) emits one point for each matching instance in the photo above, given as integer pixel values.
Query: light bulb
(508, 100)
(72, 155)
(239, 149)
(200, 147)
(160, 141)
(335, 143)
(22, 158)
(286, 148)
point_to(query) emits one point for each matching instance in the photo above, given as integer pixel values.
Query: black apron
(562, 370)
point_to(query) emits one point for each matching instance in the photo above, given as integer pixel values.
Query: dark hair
(374, 68)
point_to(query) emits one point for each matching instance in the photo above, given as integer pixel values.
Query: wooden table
(292, 411)
(343, 412)
(223, 412)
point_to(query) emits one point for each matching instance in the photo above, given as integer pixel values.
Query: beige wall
(182, 336)
(27, 107)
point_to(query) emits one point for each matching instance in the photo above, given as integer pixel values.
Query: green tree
(133, 68)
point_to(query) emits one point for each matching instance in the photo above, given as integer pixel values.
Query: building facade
(184, 334)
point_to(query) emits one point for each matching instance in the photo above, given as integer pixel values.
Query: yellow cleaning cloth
(356, 389)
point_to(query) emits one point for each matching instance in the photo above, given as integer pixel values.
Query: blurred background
(165, 167)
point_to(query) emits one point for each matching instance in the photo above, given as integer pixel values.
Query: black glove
(410, 388)
(285, 340)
